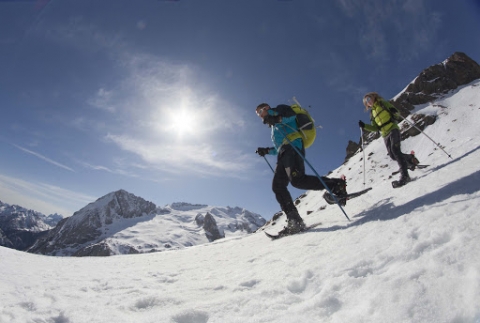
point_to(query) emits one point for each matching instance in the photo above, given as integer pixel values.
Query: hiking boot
(339, 188)
(331, 200)
(295, 221)
(293, 226)
(404, 179)
(412, 162)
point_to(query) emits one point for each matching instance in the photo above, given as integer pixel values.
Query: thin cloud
(106, 169)
(48, 160)
(81, 34)
(102, 100)
(399, 30)
(202, 159)
(153, 104)
(42, 197)
(146, 102)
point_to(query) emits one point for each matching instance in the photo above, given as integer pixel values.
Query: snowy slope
(174, 227)
(408, 255)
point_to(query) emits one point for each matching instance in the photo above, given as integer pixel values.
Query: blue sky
(158, 97)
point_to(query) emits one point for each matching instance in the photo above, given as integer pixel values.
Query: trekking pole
(313, 169)
(363, 149)
(269, 164)
(413, 125)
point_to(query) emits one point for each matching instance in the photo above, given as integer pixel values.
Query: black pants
(392, 142)
(291, 169)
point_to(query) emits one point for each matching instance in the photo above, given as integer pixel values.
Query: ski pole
(313, 169)
(269, 164)
(363, 150)
(413, 125)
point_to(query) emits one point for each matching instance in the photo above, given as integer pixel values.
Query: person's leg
(393, 143)
(300, 180)
(279, 186)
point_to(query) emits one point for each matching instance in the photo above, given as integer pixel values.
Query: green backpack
(306, 126)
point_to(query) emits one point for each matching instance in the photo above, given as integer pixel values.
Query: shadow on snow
(385, 209)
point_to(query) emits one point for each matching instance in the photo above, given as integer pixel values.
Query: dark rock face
(4, 240)
(352, 148)
(421, 121)
(457, 70)
(211, 229)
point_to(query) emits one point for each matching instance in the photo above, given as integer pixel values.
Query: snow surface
(410, 254)
(177, 229)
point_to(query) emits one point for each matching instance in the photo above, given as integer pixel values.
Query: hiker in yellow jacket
(383, 117)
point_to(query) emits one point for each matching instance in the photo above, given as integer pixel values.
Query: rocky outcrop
(211, 229)
(352, 148)
(80, 233)
(4, 240)
(421, 121)
(457, 70)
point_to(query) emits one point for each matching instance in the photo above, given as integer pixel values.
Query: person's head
(369, 99)
(262, 109)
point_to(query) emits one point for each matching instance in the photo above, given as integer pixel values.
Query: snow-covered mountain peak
(121, 222)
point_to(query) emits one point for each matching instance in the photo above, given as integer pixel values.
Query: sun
(182, 122)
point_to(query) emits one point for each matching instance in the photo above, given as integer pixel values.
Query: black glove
(262, 151)
(271, 120)
(361, 124)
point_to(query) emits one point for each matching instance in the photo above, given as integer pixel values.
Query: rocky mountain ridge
(122, 223)
(21, 227)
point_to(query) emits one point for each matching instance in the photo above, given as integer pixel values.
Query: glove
(361, 124)
(262, 151)
(271, 120)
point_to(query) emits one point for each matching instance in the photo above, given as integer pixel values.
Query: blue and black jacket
(287, 126)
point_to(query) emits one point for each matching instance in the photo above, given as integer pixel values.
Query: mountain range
(122, 223)
(21, 227)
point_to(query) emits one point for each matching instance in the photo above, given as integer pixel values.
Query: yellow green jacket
(381, 118)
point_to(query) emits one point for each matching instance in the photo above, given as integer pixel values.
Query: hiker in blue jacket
(290, 165)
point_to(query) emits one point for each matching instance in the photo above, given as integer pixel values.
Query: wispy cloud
(118, 171)
(102, 100)
(201, 159)
(172, 121)
(48, 160)
(162, 111)
(81, 34)
(41, 197)
(399, 30)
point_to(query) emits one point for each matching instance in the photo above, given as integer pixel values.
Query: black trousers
(291, 169)
(392, 142)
